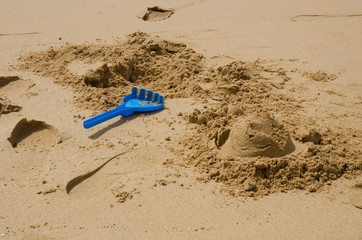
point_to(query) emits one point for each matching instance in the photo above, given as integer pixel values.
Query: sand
(260, 137)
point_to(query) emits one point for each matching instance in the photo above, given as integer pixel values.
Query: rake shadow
(120, 122)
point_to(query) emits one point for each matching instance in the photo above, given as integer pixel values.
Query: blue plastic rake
(137, 101)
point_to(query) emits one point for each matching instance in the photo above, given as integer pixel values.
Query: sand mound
(248, 154)
(140, 60)
(7, 107)
(157, 14)
(5, 80)
(258, 135)
(152, 63)
(33, 135)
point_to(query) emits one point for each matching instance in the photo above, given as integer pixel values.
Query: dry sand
(260, 137)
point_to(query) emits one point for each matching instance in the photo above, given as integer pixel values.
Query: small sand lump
(7, 107)
(235, 110)
(258, 135)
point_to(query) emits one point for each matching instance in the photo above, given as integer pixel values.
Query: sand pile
(154, 63)
(253, 154)
(236, 140)
(140, 60)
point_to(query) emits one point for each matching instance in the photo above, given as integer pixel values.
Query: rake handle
(103, 117)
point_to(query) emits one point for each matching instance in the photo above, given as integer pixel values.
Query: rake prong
(142, 94)
(149, 95)
(135, 90)
(160, 99)
(155, 97)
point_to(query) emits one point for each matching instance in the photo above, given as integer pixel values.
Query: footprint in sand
(86, 186)
(5, 80)
(33, 135)
(157, 14)
(98, 181)
(13, 86)
(355, 195)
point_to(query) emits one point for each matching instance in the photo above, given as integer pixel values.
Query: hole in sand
(33, 135)
(258, 135)
(5, 80)
(98, 78)
(157, 14)
(81, 68)
(222, 137)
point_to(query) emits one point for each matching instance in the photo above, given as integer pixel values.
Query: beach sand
(260, 136)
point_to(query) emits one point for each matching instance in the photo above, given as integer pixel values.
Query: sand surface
(260, 137)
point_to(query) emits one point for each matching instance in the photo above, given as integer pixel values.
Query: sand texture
(260, 136)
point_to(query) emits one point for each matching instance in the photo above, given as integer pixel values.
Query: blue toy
(134, 102)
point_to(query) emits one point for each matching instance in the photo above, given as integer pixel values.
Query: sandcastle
(257, 135)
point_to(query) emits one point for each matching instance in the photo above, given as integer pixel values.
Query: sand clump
(121, 195)
(312, 136)
(237, 140)
(320, 76)
(6, 107)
